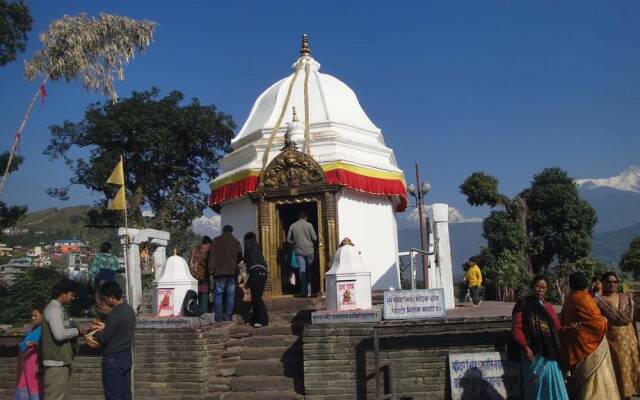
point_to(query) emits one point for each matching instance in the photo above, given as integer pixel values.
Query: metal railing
(412, 251)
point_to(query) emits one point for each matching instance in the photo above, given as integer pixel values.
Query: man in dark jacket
(116, 337)
(224, 256)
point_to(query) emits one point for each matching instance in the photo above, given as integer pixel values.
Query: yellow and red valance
(362, 179)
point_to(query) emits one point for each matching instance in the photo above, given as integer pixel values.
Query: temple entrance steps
(258, 364)
(264, 363)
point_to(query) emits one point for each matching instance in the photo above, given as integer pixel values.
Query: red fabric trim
(233, 190)
(361, 183)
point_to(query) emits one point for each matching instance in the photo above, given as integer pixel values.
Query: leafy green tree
(34, 286)
(15, 22)
(560, 223)
(506, 279)
(545, 223)
(169, 150)
(631, 259)
(558, 276)
(9, 215)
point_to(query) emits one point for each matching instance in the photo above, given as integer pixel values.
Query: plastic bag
(294, 260)
(292, 279)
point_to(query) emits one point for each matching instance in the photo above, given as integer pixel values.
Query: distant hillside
(465, 239)
(616, 209)
(608, 247)
(50, 224)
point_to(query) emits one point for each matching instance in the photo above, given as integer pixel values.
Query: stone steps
(266, 395)
(261, 364)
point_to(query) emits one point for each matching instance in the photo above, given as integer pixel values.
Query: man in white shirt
(57, 335)
(303, 236)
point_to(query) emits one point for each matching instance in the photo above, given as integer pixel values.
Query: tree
(32, 287)
(93, 50)
(169, 150)
(630, 260)
(545, 223)
(15, 22)
(560, 223)
(9, 215)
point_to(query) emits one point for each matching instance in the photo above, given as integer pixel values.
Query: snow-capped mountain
(628, 180)
(209, 226)
(410, 219)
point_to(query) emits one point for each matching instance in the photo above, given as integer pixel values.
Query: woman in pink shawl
(29, 380)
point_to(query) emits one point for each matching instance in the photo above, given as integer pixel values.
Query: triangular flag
(117, 176)
(118, 202)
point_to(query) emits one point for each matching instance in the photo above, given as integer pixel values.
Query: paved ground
(486, 309)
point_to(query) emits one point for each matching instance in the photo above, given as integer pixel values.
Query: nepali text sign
(414, 304)
(345, 317)
(484, 376)
(631, 287)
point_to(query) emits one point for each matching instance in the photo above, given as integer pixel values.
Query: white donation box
(172, 286)
(348, 283)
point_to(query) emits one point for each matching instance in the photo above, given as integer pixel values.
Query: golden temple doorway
(294, 181)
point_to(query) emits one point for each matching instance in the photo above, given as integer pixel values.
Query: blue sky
(503, 87)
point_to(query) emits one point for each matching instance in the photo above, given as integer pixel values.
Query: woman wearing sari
(618, 309)
(535, 327)
(588, 356)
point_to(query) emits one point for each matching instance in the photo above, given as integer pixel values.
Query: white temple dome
(330, 100)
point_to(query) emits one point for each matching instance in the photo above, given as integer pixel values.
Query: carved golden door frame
(269, 228)
(293, 177)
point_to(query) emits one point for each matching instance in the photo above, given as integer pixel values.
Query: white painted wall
(441, 271)
(369, 222)
(241, 215)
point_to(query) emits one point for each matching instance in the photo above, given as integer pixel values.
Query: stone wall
(339, 359)
(169, 364)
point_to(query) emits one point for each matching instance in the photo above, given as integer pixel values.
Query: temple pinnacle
(304, 47)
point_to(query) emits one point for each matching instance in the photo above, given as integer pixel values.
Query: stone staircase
(258, 364)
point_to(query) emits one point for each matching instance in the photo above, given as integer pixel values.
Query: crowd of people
(220, 266)
(46, 352)
(589, 352)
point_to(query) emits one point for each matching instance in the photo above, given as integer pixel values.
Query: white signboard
(414, 304)
(488, 376)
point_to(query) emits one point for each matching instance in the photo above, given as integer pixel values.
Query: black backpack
(190, 305)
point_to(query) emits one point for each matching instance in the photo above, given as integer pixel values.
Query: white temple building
(323, 155)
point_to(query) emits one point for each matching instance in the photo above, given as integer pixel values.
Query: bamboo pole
(16, 140)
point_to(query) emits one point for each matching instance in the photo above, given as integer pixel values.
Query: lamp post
(418, 192)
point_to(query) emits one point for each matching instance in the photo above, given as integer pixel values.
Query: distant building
(5, 251)
(34, 252)
(68, 242)
(10, 271)
(13, 231)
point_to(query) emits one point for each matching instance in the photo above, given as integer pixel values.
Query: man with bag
(198, 268)
(303, 236)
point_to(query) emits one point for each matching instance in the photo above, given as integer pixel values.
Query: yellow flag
(117, 176)
(118, 202)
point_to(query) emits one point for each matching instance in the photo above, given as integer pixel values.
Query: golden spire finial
(304, 48)
(175, 251)
(295, 115)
